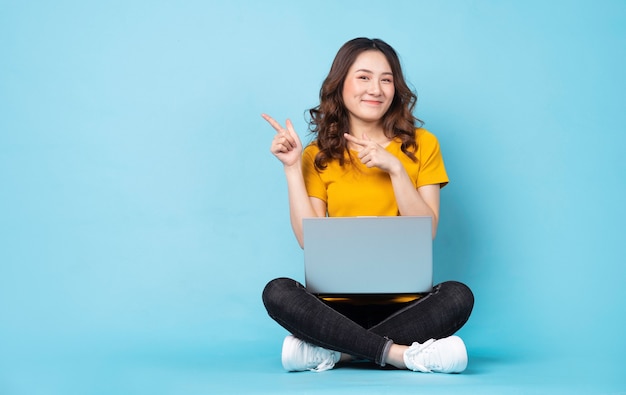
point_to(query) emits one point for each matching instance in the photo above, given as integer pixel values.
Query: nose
(374, 88)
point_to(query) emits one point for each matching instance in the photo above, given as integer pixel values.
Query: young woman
(370, 157)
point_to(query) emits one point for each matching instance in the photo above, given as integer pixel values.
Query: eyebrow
(371, 72)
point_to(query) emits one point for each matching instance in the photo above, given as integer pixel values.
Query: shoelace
(425, 351)
(325, 358)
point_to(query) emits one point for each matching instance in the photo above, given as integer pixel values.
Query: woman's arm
(287, 147)
(423, 201)
(300, 204)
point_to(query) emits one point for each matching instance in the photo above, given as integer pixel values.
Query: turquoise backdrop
(141, 211)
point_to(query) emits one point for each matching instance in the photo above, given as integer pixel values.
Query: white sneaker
(299, 356)
(446, 355)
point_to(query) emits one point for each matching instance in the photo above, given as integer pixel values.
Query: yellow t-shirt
(356, 190)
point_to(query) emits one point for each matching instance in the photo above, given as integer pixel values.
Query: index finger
(355, 140)
(273, 123)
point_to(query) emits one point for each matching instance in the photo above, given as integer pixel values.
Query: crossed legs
(436, 315)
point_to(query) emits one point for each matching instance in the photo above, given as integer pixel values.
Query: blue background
(141, 212)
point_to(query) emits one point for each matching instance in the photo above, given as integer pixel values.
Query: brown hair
(330, 119)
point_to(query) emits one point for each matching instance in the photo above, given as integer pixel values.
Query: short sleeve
(432, 169)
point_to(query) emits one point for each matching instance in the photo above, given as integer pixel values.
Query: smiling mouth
(373, 102)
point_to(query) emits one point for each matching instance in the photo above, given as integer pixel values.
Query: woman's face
(368, 88)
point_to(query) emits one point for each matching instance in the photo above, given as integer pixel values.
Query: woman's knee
(276, 290)
(459, 294)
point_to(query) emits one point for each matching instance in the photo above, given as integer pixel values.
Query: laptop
(368, 255)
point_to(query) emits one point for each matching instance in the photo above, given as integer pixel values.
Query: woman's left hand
(373, 154)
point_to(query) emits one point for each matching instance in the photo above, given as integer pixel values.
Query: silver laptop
(368, 255)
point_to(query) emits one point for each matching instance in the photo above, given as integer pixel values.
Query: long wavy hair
(330, 119)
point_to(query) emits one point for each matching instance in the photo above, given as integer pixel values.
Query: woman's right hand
(286, 145)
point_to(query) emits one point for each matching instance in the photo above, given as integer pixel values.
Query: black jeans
(366, 331)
